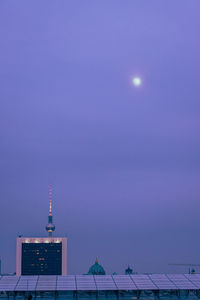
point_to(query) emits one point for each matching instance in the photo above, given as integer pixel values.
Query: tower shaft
(50, 226)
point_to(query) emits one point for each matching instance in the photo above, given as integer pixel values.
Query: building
(112, 287)
(42, 256)
(96, 269)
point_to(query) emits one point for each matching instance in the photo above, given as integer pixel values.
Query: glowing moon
(137, 81)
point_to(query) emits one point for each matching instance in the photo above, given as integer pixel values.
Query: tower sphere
(50, 227)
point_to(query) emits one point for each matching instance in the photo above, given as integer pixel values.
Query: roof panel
(66, 283)
(162, 281)
(107, 282)
(124, 282)
(182, 282)
(47, 278)
(192, 276)
(84, 282)
(143, 282)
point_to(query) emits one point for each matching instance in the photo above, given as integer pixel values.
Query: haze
(124, 162)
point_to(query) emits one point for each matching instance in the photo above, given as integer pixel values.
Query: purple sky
(124, 162)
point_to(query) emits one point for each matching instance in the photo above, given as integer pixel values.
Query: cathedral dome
(96, 269)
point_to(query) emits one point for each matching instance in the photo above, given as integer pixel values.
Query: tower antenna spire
(50, 226)
(50, 200)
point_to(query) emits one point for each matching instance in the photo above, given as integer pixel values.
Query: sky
(123, 160)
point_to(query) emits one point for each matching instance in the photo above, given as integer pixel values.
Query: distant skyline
(123, 160)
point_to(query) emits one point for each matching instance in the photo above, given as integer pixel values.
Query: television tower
(50, 226)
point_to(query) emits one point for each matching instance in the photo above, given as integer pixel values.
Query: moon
(137, 81)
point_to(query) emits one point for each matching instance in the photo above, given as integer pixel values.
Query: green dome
(96, 269)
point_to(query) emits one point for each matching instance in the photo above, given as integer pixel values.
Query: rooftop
(101, 282)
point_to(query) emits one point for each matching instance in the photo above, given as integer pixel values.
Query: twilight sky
(124, 161)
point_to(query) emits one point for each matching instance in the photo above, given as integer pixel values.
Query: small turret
(128, 271)
(50, 226)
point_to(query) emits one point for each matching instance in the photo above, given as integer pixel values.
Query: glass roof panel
(107, 282)
(124, 282)
(47, 278)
